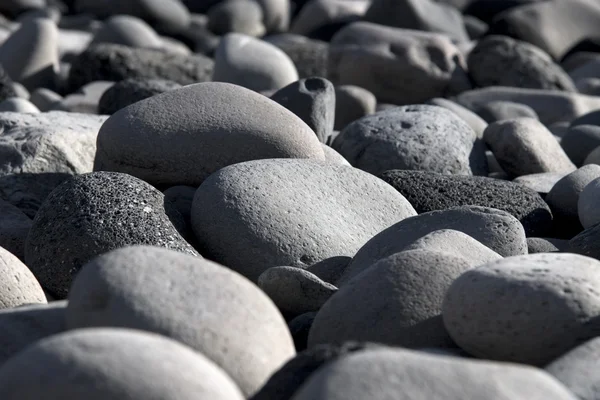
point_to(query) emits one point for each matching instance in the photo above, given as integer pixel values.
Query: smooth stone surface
(330, 269)
(19, 105)
(593, 157)
(590, 118)
(542, 182)
(30, 54)
(252, 63)
(113, 62)
(276, 15)
(39, 151)
(501, 110)
(398, 66)
(587, 243)
(397, 301)
(352, 103)
(14, 228)
(428, 191)
(22, 326)
(579, 141)
(240, 16)
(313, 100)
(546, 245)
(525, 146)
(45, 99)
(129, 91)
(318, 14)
(18, 285)
(405, 374)
(320, 211)
(550, 105)
(578, 370)
(496, 229)
(91, 214)
(295, 291)
(419, 137)
(15, 7)
(587, 204)
(210, 126)
(333, 156)
(129, 31)
(299, 328)
(99, 364)
(475, 121)
(528, 309)
(182, 197)
(503, 61)
(231, 321)
(310, 56)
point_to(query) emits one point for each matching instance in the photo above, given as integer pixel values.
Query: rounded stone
(542, 183)
(503, 61)
(588, 209)
(240, 16)
(45, 99)
(91, 214)
(593, 157)
(501, 110)
(579, 141)
(18, 285)
(19, 105)
(260, 214)
(310, 56)
(129, 91)
(587, 243)
(528, 309)
(397, 301)
(475, 121)
(96, 364)
(546, 245)
(330, 269)
(428, 191)
(393, 373)
(210, 126)
(252, 63)
(333, 156)
(299, 328)
(6, 85)
(231, 321)
(182, 197)
(494, 228)
(127, 31)
(352, 103)
(419, 137)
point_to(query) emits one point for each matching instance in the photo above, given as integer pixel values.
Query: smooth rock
(330, 269)
(182, 197)
(15, 7)
(587, 205)
(91, 214)
(587, 243)
(210, 125)
(129, 91)
(252, 63)
(541, 183)
(240, 16)
(333, 156)
(496, 229)
(475, 121)
(316, 14)
(320, 211)
(129, 31)
(528, 309)
(310, 56)
(16, 104)
(18, 285)
(428, 191)
(579, 141)
(525, 146)
(393, 373)
(45, 99)
(546, 245)
(299, 328)
(419, 137)
(276, 14)
(501, 110)
(231, 321)
(99, 364)
(593, 157)
(313, 100)
(398, 66)
(352, 103)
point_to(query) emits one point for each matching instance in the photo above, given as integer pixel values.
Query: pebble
(428, 191)
(418, 137)
(528, 309)
(91, 214)
(113, 62)
(295, 291)
(494, 228)
(252, 63)
(387, 373)
(579, 141)
(577, 370)
(503, 61)
(129, 91)
(373, 305)
(30, 54)
(129, 31)
(310, 56)
(398, 66)
(240, 16)
(116, 364)
(313, 100)
(352, 103)
(231, 321)
(18, 286)
(525, 146)
(320, 211)
(191, 142)
(22, 326)
(19, 105)
(42, 150)
(501, 110)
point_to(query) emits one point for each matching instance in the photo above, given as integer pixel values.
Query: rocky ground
(300, 200)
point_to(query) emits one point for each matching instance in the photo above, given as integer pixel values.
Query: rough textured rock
(404, 374)
(40, 151)
(310, 56)
(578, 370)
(529, 309)
(295, 291)
(113, 62)
(313, 100)
(579, 141)
(496, 229)
(428, 191)
(98, 364)
(18, 285)
(25, 325)
(352, 103)
(525, 146)
(373, 306)
(231, 321)
(195, 139)
(501, 110)
(252, 63)
(398, 66)
(94, 213)
(129, 91)
(419, 137)
(311, 225)
(503, 61)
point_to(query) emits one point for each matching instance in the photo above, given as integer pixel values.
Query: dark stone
(587, 243)
(6, 85)
(130, 91)
(299, 328)
(546, 245)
